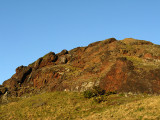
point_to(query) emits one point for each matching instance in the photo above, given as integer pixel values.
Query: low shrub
(110, 93)
(98, 93)
(99, 99)
(88, 94)
(95, 91)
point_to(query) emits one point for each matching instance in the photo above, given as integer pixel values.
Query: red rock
(112, 64)
(148, 56)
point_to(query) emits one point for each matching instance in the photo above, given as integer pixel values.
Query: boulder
(63, 52)
(48, 59)
(63, 60)
(110, 40)
(17, 79)
(2, 90)
(37, 63)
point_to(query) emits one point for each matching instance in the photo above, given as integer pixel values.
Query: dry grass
(57, 105)
(70, 105)
(146, 109)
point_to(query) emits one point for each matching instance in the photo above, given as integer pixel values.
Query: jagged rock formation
(127, 65)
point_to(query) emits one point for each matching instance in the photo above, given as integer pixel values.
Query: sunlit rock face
(127, 65)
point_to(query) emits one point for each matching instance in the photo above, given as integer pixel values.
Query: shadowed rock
(127, 65)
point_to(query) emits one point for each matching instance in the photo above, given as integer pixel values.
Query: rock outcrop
(127, 65)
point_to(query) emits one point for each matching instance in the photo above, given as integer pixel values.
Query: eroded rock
(118, 75)
(63, 52)
(17, 79)
(125, 66)
(5, 98)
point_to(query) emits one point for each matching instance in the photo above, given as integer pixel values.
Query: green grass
(141, 63)
(136, 60)
(63, 106)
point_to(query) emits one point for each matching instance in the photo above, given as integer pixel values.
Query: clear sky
(31, 28)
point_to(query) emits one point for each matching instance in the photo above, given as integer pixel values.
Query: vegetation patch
(73, 105)
(99, 95)
(95, 91)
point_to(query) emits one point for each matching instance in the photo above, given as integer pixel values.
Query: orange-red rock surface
(127, 65)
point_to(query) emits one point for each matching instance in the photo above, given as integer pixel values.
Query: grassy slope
(145, 109)
(69, 105)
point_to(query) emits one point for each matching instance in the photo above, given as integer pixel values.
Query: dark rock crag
(127, 65)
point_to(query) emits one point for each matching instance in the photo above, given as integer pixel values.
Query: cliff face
(127, 65)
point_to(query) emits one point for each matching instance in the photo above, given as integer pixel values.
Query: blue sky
(31, 28)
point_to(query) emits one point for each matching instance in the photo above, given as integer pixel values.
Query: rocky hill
(128, 65)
